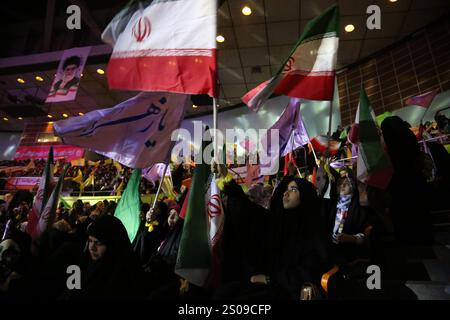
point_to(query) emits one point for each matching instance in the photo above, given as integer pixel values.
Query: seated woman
(348, 220)
(282, 248)
(109, 268)
(161, 277)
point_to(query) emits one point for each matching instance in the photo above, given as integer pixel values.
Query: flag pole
(329, 123)
(159, 187)
(312, 149)
(216, 155)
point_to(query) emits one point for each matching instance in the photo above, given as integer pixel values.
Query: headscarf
(117, 274)
(297, 249)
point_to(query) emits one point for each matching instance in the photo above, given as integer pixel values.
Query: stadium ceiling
(252, 52)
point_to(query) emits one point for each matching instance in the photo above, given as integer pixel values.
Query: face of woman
(291, 197)
(96, 248)
(344, 187)
(173, 218)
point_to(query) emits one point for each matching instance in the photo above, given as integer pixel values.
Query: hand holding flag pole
(159, 187)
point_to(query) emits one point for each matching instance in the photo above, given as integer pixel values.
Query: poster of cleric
(67, 78)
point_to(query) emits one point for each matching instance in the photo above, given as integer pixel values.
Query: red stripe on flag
(182, 74)
(249, 95)
(307, 87)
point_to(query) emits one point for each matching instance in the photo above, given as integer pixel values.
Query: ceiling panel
(254, 48)
(251, 35)
(373, 45)
(228, 58)
(257, 74)
(230, 41)
(278, 54)
(391, 24)
(418, 19)
(239, 19)
(233, 90)
(428, 4)
(353, 8)
(348, 50)
(255, 56)
(223, 16)
(312, 8)
(360, 27)
(281, 11)
(282, 33)
(231, 75)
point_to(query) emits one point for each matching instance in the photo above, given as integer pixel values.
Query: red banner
(41, 152)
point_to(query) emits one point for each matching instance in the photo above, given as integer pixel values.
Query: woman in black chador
(348, 223)
(409, 208)
(110, 269)
(161, 278)
(281, 249)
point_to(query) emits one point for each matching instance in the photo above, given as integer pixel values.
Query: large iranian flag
(166, 46)
(309, 70)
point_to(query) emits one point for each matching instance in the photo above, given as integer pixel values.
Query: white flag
(135, 133)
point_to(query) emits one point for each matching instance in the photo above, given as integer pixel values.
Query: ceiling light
(246, 11)
(20, 118)
(349, 28)
(49, 116)
(65, 115)
(39, 78)
(100, 71)
(392, 0)
(5, 118)
(194, 106)
(80, 113)
(20, 80)
(220, 38)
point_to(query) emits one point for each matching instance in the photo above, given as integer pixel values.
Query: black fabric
(160, 275)
(289, 246)
(169, 249)
(243, 235)
(146, 243)
(117, 275)
(409, 211)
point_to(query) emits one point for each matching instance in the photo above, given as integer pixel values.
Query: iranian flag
(373, 164)
(48, 214)
(194, 257)
(309, 70)
(166, 46)
(216, 224)
(46, 185)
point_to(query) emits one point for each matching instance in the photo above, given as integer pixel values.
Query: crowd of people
(278, 240)
(107, 179)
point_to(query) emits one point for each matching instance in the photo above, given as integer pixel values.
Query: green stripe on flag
(128, 208)
(325, 25)
(194, 257)
(371, 147)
